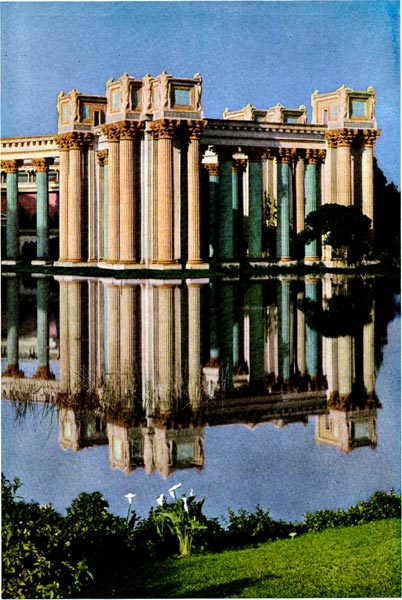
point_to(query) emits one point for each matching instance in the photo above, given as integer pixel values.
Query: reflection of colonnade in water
(13, 319)
(169, 357)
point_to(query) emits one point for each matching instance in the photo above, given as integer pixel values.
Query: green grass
(361, 561)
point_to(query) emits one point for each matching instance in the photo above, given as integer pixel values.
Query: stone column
(254, 300)
(343, 167)
(129, 340)
(299, 191)
(164, 131)
(301, 339)
(113, 333)
(112, 133)
(12, 235)
(368, 138)
(75, 199)
(195, 129)
(41, 166)
(369, 356)
(64, 349)
(75, 358)
(147, 176)
(92, 207)
(13, 317)
(42, 298)
(63, 143)
(102, 202)
(283, 230)
(310, 192)
(128, 192)
(345, 366)
(255, 208)
(166, 375)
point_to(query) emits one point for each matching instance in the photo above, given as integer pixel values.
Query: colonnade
(41, 169)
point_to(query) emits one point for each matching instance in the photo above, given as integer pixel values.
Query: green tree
(344, 228)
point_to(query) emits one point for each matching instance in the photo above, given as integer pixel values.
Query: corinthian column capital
(164, 128)
(102, 157)
(112, 132)
(63, 141)
(195, 128)
(346, 137)
(41, 165)
(129, 130)
(313, 156)
(212, 168)
(285, 155)
(332, 138)
(369, 137)
(11, 166)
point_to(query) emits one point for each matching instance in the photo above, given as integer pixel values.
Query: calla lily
(173, 489)
(191, 492)
(130, 497)
(160, 499)
(185, 503)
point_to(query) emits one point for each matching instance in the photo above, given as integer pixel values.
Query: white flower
(173, 489)
(160, 499)
(185, 503)
(191, 494)
(130, 497)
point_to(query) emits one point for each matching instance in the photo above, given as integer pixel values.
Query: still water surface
(283, 393)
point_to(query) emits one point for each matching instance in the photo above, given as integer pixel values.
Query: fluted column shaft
(102, 192)
(369, 137)
(310, 191)
(63, 144)
(344, 168)
(213, 172)
(193, 179)
(225, 218)
(113, 204)
(127, 201)
(75, 202)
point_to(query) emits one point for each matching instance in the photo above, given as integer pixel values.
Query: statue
(125, 91)
(164, 87)
(146, 93)
(197, 91)
(75, 114)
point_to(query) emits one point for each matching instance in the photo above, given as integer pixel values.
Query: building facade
(144, 180)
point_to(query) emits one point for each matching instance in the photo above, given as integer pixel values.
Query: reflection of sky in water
(282, 469)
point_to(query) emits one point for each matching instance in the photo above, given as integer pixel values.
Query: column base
(43, 373)
(13, 370)
(11, 261)
(68, 262)
(41, 261)
(308, 260)
(165, 265)
(197, 264)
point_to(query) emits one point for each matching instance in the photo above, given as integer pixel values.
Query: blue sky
(259, 52)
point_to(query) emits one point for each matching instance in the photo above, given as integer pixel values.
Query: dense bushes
(89, 552)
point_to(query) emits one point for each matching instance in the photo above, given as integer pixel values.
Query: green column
(235, 209)
(311, 334)
(226, 335)
(255, 215)
(213, 212)
(12, 236)
(42, 219)
(12, 369)
(283, 244)
(225, 226)
(310, 195)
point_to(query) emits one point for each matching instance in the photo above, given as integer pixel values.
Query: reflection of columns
(42, 201)
(369, 356)
(12, 369)
(256, 317)
(63, 144)
(42, 295)
(283, 231)
(12, 236)
(102, 203)
(255, 214)
(299, 192)
(310, 188)
(369, 137)
(345, 377)
(226, 334)
(113, 332)
(301, 339)
(166, 323)
(311, 334)
(113, 194)
(64, 352)
(284, 324)
(330, 345)
(213, 172)
(128, 191)
(343, 167)
(164, 131)
(194, 209)
(75, 358)
(194, 344)
(129, 338)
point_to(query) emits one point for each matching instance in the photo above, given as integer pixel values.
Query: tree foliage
(344, 228)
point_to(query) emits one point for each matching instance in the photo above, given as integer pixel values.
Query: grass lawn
(361, 561)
